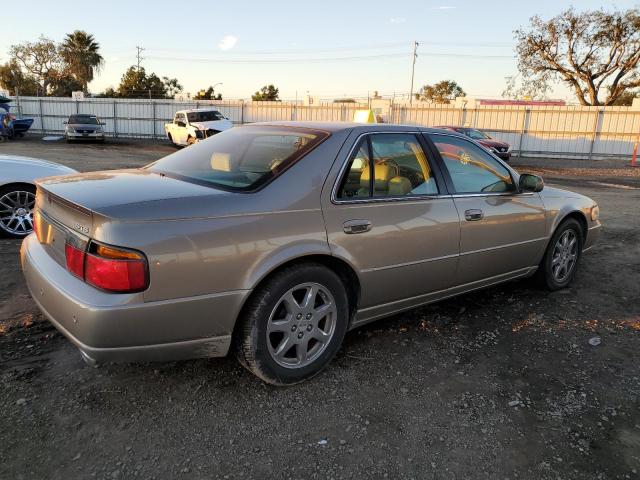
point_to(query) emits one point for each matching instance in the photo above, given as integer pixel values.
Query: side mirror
(181, 124)
(530, 183)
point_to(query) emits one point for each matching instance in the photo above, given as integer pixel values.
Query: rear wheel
(293, 325)
(16, 210)
(191, 140)
(560, 262)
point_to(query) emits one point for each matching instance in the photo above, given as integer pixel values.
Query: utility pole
(138, 56)
(413, 69)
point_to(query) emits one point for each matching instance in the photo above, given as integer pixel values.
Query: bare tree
(40, 59)
(592, 52)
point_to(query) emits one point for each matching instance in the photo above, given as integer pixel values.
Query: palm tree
(80, 51)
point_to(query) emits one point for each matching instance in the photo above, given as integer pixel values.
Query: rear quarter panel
(235, 250)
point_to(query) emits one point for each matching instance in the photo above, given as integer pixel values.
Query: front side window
(472, 170)
(208, 116)
(399, 164)
(242, 158)
(83, 120)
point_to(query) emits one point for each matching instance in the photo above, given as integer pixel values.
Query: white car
(190, 126)
(18, 191)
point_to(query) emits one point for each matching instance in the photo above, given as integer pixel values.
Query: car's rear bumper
(117, 327)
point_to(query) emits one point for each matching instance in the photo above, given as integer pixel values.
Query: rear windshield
(242, 158)
(209, 116)
(83, 119)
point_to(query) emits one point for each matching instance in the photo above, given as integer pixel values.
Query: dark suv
(501, 149)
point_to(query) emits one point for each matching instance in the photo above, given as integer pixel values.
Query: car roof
(366, 127)
(192, 110)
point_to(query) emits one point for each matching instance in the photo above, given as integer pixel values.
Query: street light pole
(413, 69)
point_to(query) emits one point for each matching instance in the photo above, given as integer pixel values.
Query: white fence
(582, 132)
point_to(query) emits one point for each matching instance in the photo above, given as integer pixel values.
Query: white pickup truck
(191, 126)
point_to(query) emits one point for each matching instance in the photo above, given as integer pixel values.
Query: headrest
(399, 186)
(384, 173)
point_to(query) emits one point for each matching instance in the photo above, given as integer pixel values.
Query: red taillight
(75, 260)
(115, 275)
(108, 268)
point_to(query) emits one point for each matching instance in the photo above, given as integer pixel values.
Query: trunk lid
(78, 205)
(124, 195)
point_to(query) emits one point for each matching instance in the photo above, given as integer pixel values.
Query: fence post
(41, 116)
(115, 121)
(597, 124)
(241, 112)
(523, 130)
(153, 107)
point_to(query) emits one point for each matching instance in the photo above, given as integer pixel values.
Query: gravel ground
(510, 382)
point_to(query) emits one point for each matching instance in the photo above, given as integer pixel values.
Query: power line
(227, 60)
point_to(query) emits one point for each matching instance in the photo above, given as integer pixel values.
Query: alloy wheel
(16, 212)
(565, 256)
(301, 325)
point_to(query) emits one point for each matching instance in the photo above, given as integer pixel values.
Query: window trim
(515, 176)
(433, 164)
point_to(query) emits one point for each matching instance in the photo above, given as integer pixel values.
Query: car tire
(561, 259)
(17, 196)
(190, 141)
(293, 324)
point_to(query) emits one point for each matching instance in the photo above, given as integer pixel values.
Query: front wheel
(293, 325)
(560, 263)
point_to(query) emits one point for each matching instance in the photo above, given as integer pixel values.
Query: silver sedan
(273, 240)
(18, 191)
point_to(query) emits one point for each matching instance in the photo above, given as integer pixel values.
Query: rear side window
(242, 158)
(399, 165)
(472, 170)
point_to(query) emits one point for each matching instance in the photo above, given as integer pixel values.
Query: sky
(347, 48)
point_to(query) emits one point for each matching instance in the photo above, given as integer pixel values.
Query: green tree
(171, 86)
(38, 60)
(266, 93)
(441, 92)
(15, 81)
(208, 94)
(61, 84)
(591, 52)
(81, 54)
(135, 83)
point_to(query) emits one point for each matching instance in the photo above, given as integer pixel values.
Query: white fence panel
(566, 131)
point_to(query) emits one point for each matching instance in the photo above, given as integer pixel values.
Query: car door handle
(473, 215)
(356, 226)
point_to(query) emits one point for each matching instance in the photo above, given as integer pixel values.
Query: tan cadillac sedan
(273, 240)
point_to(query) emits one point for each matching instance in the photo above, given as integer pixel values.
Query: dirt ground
(499, 384)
